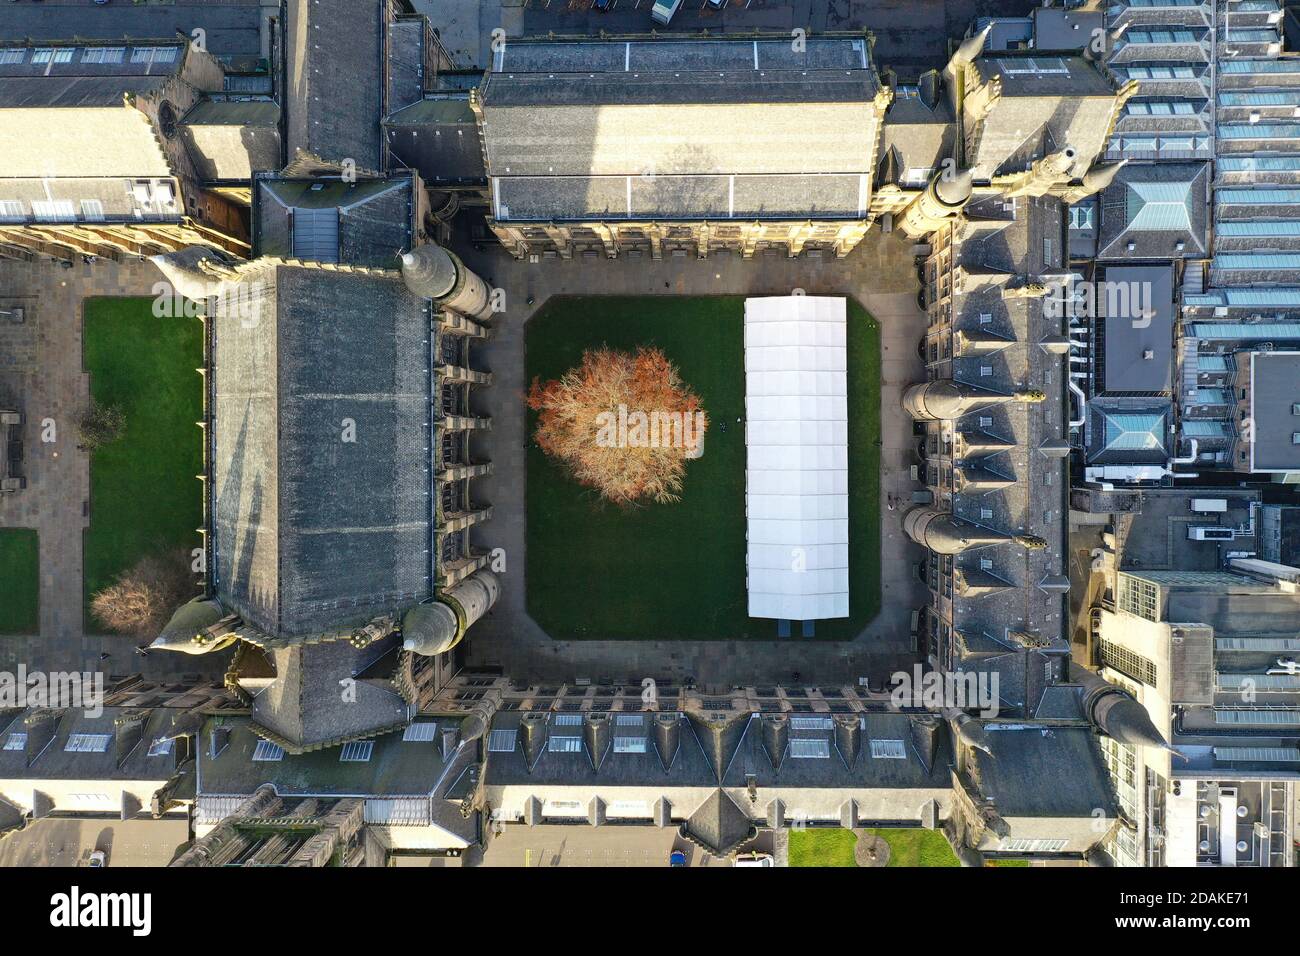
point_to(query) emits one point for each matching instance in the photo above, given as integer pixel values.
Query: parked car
(677, 858)
(663, 10)
(754, 859)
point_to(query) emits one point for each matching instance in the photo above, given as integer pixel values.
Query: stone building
(681, 147)
(1207, 652)
(118, 176)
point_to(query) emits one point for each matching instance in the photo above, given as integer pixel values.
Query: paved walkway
(42, 372)
(881, 274)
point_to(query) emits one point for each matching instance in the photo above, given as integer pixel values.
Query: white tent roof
(797, 468)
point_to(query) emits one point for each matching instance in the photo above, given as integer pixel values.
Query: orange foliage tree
(622, 423)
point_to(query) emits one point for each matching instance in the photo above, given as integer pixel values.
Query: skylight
(357, 751)
(265, 750)
(421, 732)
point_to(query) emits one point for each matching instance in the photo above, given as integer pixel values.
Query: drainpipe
(1083, 400)
(1190, 459)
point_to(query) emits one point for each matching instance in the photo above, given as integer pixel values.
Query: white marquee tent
(797, 476)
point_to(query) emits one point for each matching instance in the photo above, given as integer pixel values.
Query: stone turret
(948, 400)
(1053, 172)
(1094, 181)
(945, 533)
(200, 626)
(943, 198)
(433, 272)
(1114, 712)
(437, 626)
(196, 272)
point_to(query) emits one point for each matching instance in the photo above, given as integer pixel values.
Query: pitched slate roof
(334, 89)
(327, 372)
(594, 129)
(230, 140)
(718, 825)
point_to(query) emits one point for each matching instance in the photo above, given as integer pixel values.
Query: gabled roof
(718, 825)
(681, 129)
(230, 140)
(334, 88)
(314, 530)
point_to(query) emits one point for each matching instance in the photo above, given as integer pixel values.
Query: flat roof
(1274, 400)
(1139, 308)
(796, 439)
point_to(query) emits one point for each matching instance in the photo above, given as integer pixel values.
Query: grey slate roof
(422, 774)
(373, 218)
(340, 532)
(440, 139)
(632, 130)
(718, 824)
(231, 27)
(46, 759)
(230, 140)
(737, 744)
(1040, 771)
(396, 767)
(1014, 631)
(334, 87)
(303, 705)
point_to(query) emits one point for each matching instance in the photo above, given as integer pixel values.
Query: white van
(664, 9)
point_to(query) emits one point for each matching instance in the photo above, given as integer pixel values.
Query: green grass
(822, 847)
(917, 848)
(19, 581)
(677, 571)
(143, 488)
(834, 847)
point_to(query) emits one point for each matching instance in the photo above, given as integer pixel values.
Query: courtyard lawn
(917, 848)
(677, 571)
(19, 581)
(144, 493)
(816, 847)
(834, 847)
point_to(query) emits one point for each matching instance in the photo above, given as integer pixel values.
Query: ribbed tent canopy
(796, 437)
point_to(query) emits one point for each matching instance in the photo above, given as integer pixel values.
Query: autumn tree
(621, 423)
(99, 425)
(142, 599)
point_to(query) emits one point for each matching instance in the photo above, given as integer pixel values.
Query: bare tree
(142, 599)
(99, 425)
